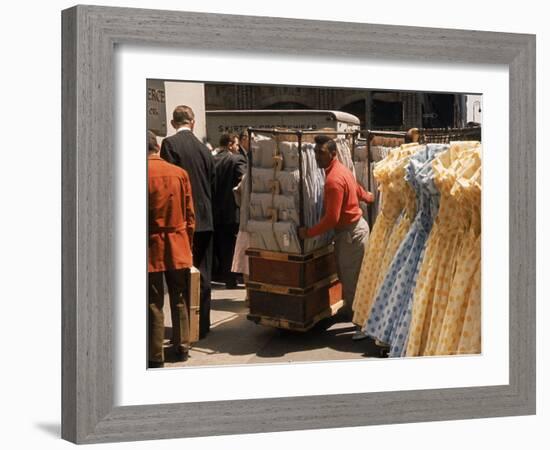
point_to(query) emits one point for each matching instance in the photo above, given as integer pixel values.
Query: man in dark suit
(230, 167)
(186, 151)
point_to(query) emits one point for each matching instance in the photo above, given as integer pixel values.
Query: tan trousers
(177, 281)
(349, 247)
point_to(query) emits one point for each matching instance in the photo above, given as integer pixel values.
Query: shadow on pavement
(230, 305)
(337, 338)
(233, 339)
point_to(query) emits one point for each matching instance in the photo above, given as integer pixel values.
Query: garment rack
(299, 134)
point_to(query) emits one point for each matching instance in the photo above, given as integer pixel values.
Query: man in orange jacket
(171, 222)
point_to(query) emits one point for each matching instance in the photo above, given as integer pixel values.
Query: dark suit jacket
(230, 168)
(185, 150)
(247, 155)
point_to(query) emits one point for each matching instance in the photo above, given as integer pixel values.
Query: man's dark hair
(152, 145)
(183, 115)
(226, 139)
(243, 134)
(323, 139)
(410, 134)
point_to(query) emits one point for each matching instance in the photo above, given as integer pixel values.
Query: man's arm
(211, 175)
(189, 209)
(364, 196)
(168, 154)
(333, 199)
(240, 168)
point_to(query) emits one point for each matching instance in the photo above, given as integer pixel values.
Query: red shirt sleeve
(333, 199)
(362, 194)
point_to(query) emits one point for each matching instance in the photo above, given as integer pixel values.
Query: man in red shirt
(171, 224)
(342, 214)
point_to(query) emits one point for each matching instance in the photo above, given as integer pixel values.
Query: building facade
(390, 110)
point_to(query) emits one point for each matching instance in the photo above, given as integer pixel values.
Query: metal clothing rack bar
(446, 135)
(250, 131)
(301, 196)
(302, 132)
(355, 134)
(448, 130)
(384, 133)
(328, 132)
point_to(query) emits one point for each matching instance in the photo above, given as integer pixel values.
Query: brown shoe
(182, 355)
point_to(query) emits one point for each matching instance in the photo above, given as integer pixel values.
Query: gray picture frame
(90, 34)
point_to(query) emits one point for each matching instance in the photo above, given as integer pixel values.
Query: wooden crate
(296, 326)
(294, 308)
(293, 291)
(285, 269)
(194, 303)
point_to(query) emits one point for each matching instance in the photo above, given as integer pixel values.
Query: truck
(234, 121)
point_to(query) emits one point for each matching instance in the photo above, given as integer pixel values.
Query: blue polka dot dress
(391, 312)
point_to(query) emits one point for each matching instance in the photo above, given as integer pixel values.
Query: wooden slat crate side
(280, 256)
(296, 326)
(289, 290)
(276, 256)
(276, 272)
(296, 308)
(335, 293)
(277, 306)
(321, 299)
(292, 273)
(319, 268)
(194, 304)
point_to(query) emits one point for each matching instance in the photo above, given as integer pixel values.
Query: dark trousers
(176, 281)
(225, 237)
(202, 260)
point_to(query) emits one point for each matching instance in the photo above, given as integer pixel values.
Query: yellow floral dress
(390, 210)
(470, 338)
(398, 209)
(461, 326)
(441, 254)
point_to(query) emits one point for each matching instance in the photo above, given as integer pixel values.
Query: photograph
(294, 224)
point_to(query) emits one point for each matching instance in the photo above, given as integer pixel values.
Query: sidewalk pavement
(235, 340)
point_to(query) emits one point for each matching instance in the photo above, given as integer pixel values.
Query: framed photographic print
(445, 286)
